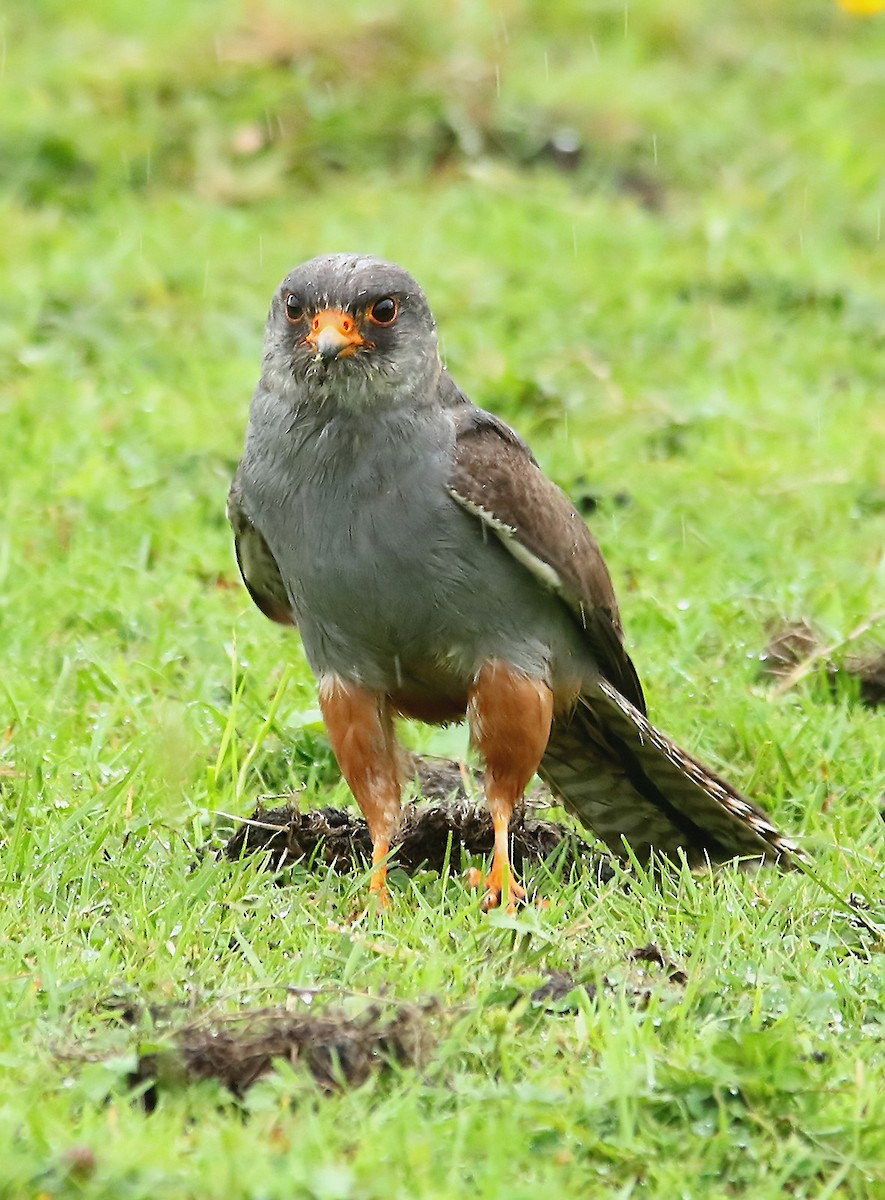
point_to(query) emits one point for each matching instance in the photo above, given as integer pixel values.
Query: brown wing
(257, 564)
(497, 479)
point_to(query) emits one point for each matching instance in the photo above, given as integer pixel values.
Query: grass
(690, 313)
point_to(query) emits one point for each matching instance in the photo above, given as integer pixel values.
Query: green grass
(694, 316)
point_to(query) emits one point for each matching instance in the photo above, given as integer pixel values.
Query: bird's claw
(516, 895)
(495, 887)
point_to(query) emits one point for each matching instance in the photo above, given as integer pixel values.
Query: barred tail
(625, 780)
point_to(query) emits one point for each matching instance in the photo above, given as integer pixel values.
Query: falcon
(434, 572)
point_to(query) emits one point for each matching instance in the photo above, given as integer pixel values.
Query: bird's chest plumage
(368, 540)
(391, 582)
(379, 561)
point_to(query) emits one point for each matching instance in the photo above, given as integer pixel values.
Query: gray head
(350, 329)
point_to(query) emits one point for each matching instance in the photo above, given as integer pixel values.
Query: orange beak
(333, 334)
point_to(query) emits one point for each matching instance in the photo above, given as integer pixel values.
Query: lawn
(652, 238)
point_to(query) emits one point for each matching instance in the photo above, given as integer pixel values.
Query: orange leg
(509, 715)
(360, 729)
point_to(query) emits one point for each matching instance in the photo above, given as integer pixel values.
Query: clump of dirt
(336, 1049)
(798, 642)
(652, 953)
(430, 835)
(870, 670)
(556, 993)
(323, 837)
(446, 779)
(557, 987)
(788, 645)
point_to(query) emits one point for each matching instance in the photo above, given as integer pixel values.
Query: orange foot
(492, 899)
(378, 893)
(501, 880)
(378, 882)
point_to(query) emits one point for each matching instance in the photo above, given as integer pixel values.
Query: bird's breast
(364, 533)
(392, 583)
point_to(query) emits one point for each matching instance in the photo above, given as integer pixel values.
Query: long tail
(627, 781)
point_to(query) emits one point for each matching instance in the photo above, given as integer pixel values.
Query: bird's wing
(257, 564)
(496, 478)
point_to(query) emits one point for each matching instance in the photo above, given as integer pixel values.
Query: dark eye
(383, 311)
(294, 310)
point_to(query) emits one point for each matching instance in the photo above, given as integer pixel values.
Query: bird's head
(353, 329)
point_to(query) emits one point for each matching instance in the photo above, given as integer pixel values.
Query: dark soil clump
(652, 953)
(870, 670)
(798, 642)
(558, 991)
(788, 645)
(430, 836)
(557, 988)
(337, 1050)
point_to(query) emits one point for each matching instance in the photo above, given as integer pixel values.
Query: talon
(473, 877)
(501, 876)
(516, 893)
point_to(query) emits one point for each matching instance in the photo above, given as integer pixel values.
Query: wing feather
(258, 567)
(497, 479)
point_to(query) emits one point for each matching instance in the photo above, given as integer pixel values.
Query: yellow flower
(862, 7)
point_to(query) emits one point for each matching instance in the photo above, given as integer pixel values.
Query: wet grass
(652, 239)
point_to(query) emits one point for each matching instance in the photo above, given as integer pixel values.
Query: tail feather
(627, 781)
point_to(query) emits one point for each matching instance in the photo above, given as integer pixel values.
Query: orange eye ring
(384, 311)
(294, 310)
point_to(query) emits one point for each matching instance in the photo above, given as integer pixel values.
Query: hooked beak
(333, 334)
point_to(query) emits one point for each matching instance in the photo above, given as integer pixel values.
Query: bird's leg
(509, 714)
(360, 729)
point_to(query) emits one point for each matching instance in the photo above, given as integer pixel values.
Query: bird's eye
(383, 311)
(294, 310)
